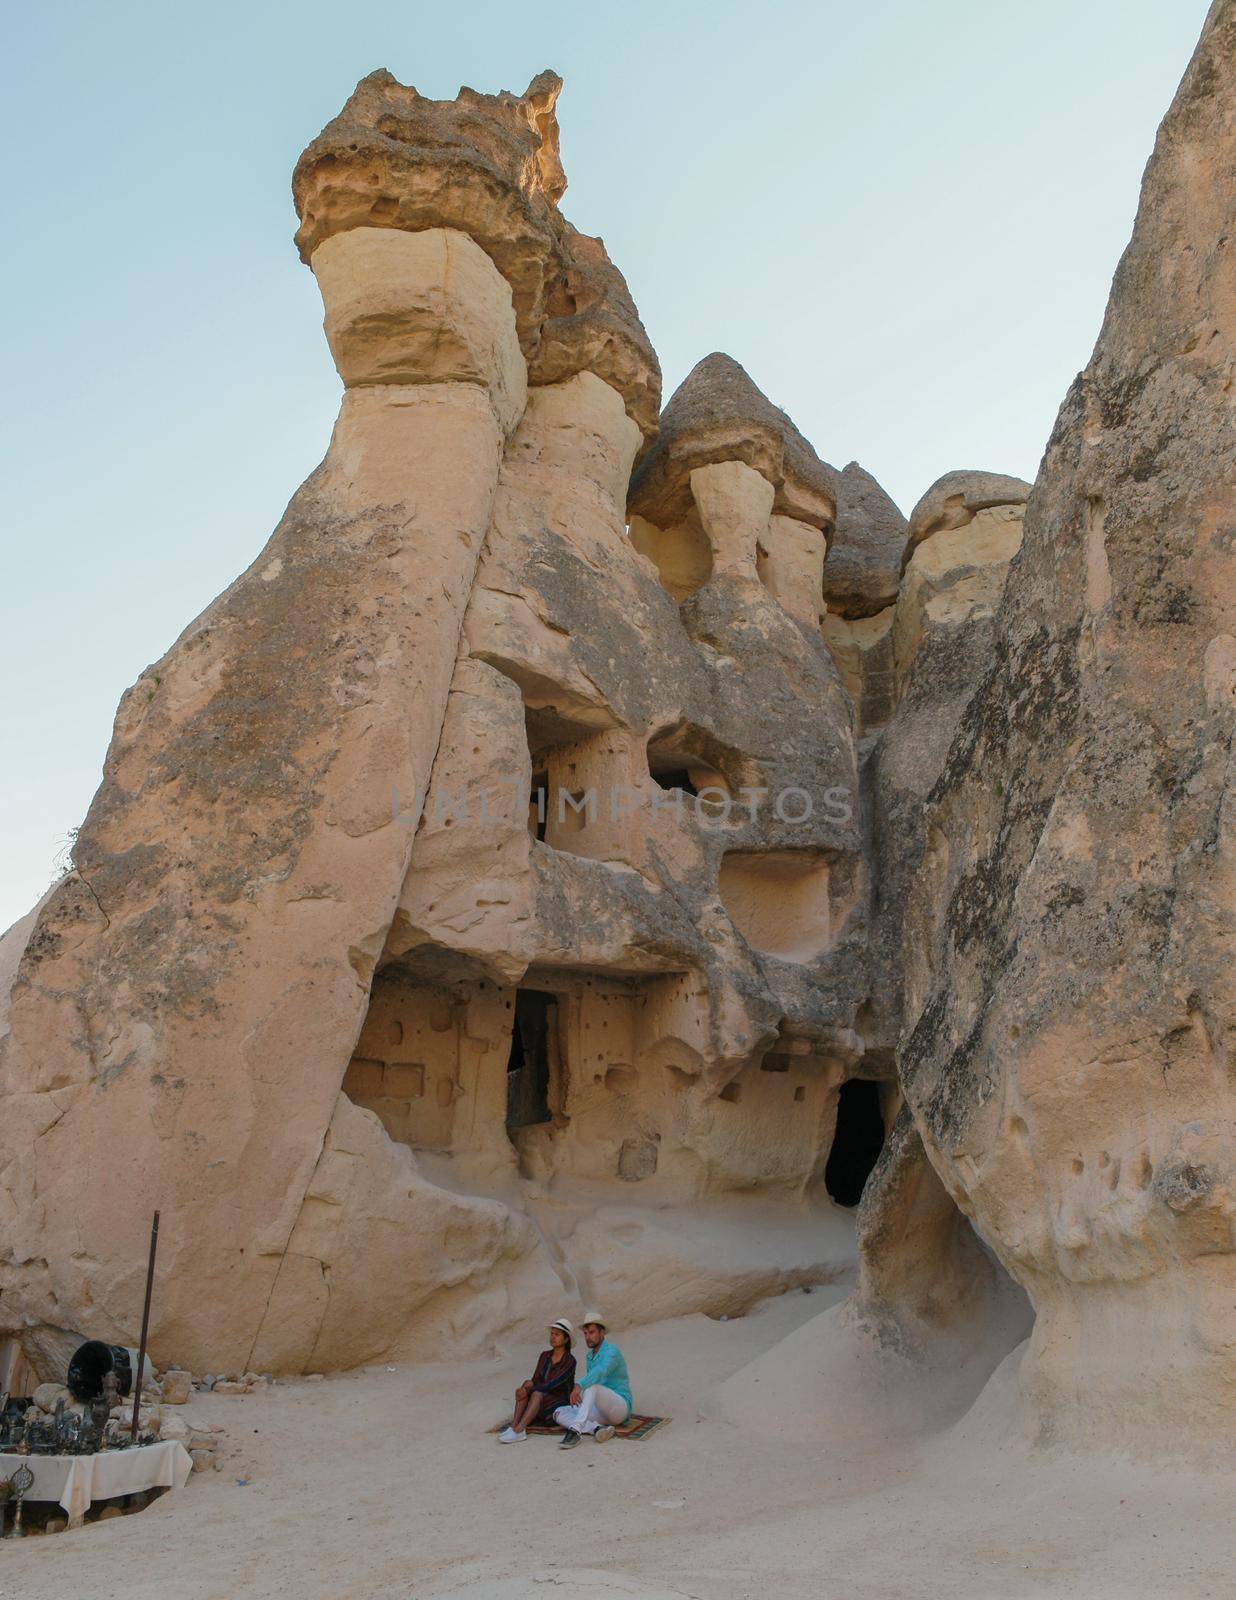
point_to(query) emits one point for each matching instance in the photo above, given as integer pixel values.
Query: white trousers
(598, 1405)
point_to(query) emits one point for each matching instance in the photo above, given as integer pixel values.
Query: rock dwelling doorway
(857, 1141)
(530, 1066)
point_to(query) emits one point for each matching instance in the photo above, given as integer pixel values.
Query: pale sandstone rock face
(734, 504)
(792, 567)
(862, 648)
(926, 1282)
(1070, 1004)
(420, 308)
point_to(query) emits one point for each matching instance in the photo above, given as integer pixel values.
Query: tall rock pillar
(189, 997)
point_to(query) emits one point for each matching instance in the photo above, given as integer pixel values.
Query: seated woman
(549, 1386)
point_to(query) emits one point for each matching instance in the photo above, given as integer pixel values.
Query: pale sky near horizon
(901, 218)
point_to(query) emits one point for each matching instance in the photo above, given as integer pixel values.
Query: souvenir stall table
(77, 1481)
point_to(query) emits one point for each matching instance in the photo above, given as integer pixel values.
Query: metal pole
(141, 1354)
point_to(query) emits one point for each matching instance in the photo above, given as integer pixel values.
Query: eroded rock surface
(957, 498)
(1070, 976)
(940, 639)
(487, 166)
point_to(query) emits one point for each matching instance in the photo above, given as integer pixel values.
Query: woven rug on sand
(635, 1427)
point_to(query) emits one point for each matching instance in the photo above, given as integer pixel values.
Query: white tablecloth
(76, 1481)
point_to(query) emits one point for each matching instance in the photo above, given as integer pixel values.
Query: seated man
(603, 1398)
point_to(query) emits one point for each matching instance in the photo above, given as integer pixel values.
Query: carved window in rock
(779, 900)
(577, 769)
(405, 1067)
(688, 759)
(671, 778)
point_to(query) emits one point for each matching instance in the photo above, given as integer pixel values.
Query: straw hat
(562, 1323)
(594, 1316)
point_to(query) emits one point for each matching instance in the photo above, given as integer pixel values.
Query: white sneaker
(604, 1434)
(509, 1436)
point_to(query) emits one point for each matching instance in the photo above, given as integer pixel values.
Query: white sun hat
(561, 1322)
(594, 1316)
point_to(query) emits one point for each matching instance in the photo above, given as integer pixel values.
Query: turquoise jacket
(607, 1367)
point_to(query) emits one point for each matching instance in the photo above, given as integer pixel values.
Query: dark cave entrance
(676, 778)
(529, 1065)
(857, 1142)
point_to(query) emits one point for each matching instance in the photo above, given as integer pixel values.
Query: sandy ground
(383, 1483)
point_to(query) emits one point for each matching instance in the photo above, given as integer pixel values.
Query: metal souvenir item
(20, 1485)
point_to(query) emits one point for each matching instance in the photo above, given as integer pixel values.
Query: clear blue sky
(901, 217)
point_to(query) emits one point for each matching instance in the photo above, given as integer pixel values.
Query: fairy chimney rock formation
(963, 533)
(864, 563)
(957, 499)
(862, 574)
(718, 414)
(581, 834)
(939, 641)
(721, 440)
(444, 859)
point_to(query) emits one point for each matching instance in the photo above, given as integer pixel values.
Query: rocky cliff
(1069, 974)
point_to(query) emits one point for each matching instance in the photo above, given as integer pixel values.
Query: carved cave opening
(555, 809)
(531, 1076)
(857, 1141)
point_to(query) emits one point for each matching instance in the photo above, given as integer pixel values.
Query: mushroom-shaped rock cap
(487, 165)
(718, 414)
(863, 568)
(591, 323)
(957, 497)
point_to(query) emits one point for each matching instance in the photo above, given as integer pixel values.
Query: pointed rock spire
(718, 414)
